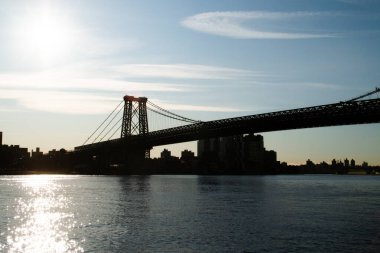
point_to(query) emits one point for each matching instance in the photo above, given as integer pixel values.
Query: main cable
(172, 117)
(171, 113)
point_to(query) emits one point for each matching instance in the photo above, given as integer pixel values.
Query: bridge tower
(135, 118)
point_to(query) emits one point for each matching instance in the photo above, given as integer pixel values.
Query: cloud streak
(92, 88)
(187, 107)
(230, 24)
(183, 71)
(49, 82)
(61, 101)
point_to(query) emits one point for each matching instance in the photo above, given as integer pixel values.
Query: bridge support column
(135, 118)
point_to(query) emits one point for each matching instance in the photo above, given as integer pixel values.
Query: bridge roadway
(343, 113)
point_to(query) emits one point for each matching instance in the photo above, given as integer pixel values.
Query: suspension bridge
(136, 124)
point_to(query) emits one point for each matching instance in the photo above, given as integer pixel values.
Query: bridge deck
(343, 113)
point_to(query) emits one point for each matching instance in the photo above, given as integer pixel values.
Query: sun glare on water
(43, 221)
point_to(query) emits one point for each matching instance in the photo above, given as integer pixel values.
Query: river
(311, 213)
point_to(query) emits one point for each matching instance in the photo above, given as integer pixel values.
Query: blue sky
(64, 65)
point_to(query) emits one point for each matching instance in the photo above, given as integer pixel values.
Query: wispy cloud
(92, 88)
(50, 81)
(183, 71)
(86, 103)
(61, 102)
(317, 85)
(308, 85)
(230, 24)
(203, 108)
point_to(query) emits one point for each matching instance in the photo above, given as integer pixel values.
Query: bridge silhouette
(136, 140)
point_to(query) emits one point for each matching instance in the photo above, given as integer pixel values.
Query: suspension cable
(114, 132)
(171, 113)
(172, 117)
(111, 129)
(176, 115)
(103, 122)
(157, 109)
(107, 125)
(365, 95)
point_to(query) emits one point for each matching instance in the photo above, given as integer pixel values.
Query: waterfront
(312, 213)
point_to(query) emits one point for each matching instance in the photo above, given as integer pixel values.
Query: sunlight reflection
(34, 182)
(43, 221)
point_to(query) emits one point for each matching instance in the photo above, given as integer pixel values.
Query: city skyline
(186, 154)
(65, 64)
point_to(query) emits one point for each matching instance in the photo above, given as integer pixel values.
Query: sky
(65, 65)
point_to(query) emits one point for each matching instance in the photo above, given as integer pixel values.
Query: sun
(44, 35)
(48, 36)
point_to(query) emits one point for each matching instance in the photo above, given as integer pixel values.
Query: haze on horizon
(64, 65)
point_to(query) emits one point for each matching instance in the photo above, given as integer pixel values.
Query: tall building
(237, 152)
(256, 156)
(230, 151)
(208, 147)
(346, 163)
(254, 151)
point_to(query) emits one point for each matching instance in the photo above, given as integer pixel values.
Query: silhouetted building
(346, 163)
(166, 154)
(270, 158)
(52, 153)
(309, 163)
(37, 154)
(187, 155)
(208, 147)
(254, 151)
(231, 153)
(13, 156)
(237, 152)
(353, 164)
(208, 150)
(256, 156)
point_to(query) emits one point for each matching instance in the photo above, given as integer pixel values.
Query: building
(166, 154)
(1, 139)
(208, 147)
(231, 152)
(237, 152)
(254, 151)
(187, 155)
(353, 163)
(37, 154)
(256, 156)
(13, 156)
(346, 163)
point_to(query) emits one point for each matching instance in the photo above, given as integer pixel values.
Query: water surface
(316, 213)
